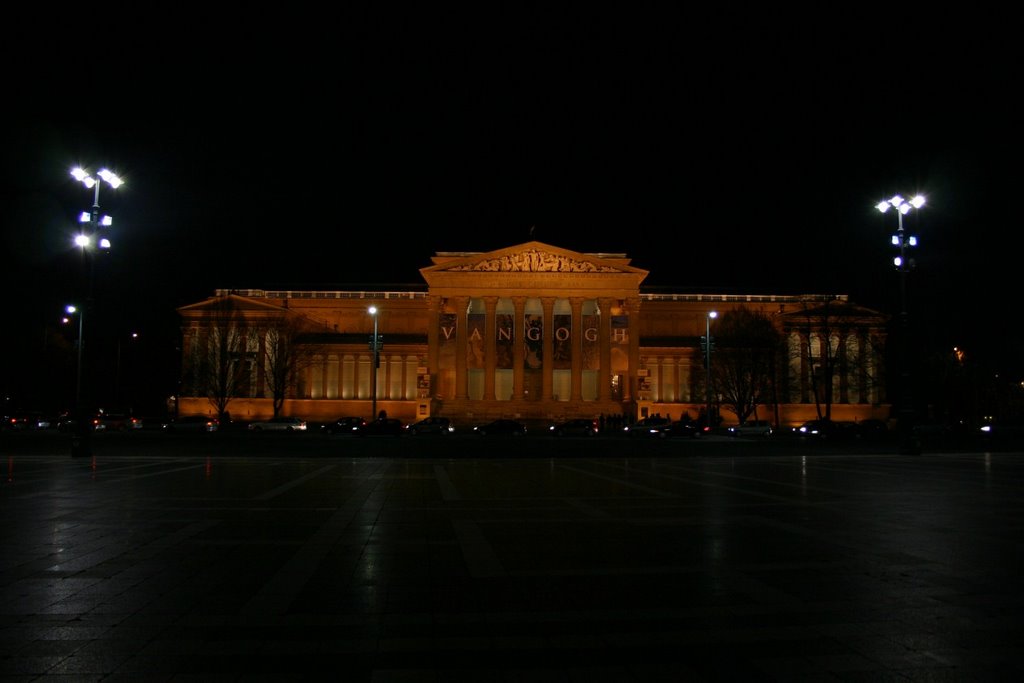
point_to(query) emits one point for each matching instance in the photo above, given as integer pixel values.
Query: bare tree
(288, 349)
(744, 360)
(220, 360)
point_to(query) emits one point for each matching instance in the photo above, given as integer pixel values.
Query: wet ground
(301, 557)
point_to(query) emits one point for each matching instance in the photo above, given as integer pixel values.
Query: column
(805, 369)
(490, 345)
(548, 303)
(386, 360)
(402, 386)
(434, 305)
(604, 335)
(356, 361)
(461, 348)
(518, 350)
(862, 366)
(576, 393)
(633, 311)
(843, 362)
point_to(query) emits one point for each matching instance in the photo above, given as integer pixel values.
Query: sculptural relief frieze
(535, 261)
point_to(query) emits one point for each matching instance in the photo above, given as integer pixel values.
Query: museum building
(531, 331)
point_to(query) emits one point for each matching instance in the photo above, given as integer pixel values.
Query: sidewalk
(788, 568)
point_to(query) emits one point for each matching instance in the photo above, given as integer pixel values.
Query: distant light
(104, 243)
(896, 240)
(84, 217)
(896, 201)
(917, 201)
(897, 261)
(713, 314)
(912, 241)
(107, 221)
(82, 240)
(70, 309)
(882, 206)
(372, 310)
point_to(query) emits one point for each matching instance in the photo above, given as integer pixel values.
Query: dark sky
(724, 153)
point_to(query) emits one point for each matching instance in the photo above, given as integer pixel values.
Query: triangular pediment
(835, 311)
(532, 257)
(231, 303)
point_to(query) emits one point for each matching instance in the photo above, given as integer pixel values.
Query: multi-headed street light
(903, 264)
(93, 217)
(94, 239)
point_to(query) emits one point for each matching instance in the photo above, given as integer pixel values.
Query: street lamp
(707, 342)
(117, 370)
(72, 310)
(80, 444)
(903, 265)
(375, 346)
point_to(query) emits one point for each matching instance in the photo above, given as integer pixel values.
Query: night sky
(722, 153)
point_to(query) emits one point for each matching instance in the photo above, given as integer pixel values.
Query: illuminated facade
(531, 331)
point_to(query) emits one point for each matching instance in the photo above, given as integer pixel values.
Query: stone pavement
(808, 567)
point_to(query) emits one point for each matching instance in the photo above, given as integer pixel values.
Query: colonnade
(618, 349)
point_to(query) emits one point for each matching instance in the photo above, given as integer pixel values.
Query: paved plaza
(460, 560)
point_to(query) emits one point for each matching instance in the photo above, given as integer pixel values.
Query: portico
(530, 327)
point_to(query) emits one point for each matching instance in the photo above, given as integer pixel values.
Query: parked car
(685, 428)
(383, 426)
(192, 423)
(653, 425)
(345, 426)
(501, 427)
(116, 422)
(575, 427)
(29, 421)
(431, 425)
(279, 424)
(996, 430)
(828, 429)
(67, 421)
(750, 428)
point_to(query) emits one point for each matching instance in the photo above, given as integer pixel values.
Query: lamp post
(903, 242)
(117, 369)
(80, 445)
(375, 346)
(707, 369)
(72, 310)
